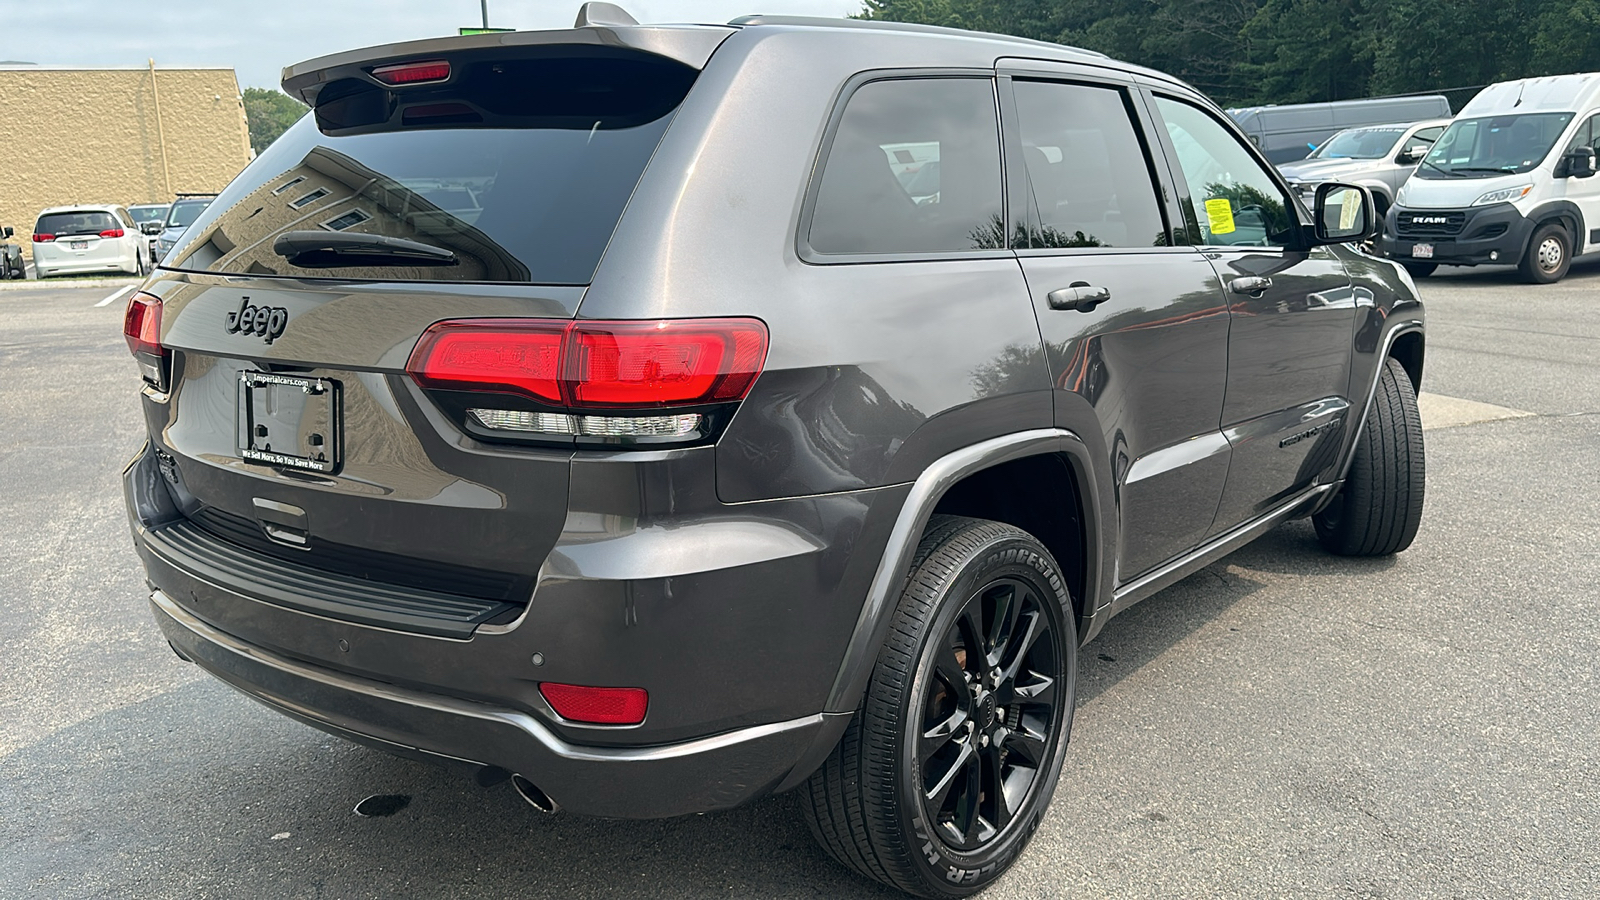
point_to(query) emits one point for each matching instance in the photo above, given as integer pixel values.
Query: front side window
(1585, 135)
(914, 167)
(1088, 178)
(1494, 145)
(1233, 200)
(1426, 135)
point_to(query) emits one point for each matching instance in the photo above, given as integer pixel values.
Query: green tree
(269, 114)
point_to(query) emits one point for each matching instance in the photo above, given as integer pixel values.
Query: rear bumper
(624, 782)
(1491, 235)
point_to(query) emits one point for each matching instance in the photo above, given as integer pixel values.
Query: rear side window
(518, 170)
(86, 222)
(1088, 178)
(914, 167)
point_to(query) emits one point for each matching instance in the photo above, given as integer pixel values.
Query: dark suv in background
(602, 408)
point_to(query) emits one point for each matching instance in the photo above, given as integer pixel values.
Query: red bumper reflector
(596, 705)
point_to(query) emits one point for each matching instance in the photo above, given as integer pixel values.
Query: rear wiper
(335, 249)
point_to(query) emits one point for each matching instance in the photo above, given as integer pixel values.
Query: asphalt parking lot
(1282, 724)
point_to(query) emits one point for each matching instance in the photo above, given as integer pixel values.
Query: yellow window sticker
(1220, 212)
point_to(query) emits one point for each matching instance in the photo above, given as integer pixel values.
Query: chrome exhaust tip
(536, 798)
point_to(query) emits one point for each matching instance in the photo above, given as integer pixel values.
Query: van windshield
(1494, 145)
(1359, 143)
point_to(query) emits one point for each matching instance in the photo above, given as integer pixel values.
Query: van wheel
(948, 767)
(1420, 270)
(1380, 506)
(1549, 255)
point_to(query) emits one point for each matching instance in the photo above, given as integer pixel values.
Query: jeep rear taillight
(141, 326)
(574, 370)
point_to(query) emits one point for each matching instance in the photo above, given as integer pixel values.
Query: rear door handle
(1080, 295)
(1249, 284)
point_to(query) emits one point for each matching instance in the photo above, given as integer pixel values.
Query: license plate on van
(78, 245)
(1422, 251)
(289, 421)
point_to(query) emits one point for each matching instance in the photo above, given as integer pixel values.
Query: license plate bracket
(290, 421)
(1422, 251)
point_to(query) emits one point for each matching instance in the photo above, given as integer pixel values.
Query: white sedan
(71, 240)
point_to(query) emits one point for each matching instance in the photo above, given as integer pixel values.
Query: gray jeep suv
(603, 409)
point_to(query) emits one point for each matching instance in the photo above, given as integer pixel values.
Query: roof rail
(881, 25)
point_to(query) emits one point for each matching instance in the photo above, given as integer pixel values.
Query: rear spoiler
(691, 45)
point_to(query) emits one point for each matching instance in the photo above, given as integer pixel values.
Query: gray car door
(1291, 310)
(1135, 329)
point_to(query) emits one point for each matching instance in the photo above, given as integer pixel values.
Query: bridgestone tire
(1548, 257)
(868, 805)
(1420, 270)
(1380, 506)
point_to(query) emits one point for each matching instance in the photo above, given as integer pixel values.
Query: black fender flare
(1564, 211)
(872, 625)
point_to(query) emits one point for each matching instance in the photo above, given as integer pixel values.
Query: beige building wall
(94, 136)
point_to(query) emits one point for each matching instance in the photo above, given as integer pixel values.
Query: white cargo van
(1511, 181)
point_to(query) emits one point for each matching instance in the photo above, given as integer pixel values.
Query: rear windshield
(143, 214)
(87, 222)
(184, 212)
(517, 171)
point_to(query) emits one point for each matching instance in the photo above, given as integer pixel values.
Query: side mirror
(1413, 153)
(150, 227)
(10, 231)
(1578, 163)
(1344, 213)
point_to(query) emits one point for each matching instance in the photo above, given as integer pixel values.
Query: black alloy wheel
(988, 713)
(948, 767)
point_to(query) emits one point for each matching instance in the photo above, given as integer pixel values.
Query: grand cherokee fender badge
(267, 321)
(1311, 432)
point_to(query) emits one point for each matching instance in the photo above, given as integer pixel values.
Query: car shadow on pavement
(1142, 633)
(198, 791)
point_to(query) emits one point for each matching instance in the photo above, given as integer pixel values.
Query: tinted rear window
(914, 168)
(520, 169)
(89, 222)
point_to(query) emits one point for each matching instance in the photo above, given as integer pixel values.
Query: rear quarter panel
(874, 369)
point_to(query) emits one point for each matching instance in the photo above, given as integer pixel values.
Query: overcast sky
(259, 37)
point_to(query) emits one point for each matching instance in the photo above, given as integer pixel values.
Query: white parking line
(115, 297)
(1439, 411)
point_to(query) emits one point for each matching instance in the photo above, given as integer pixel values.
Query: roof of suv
(690, 44)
